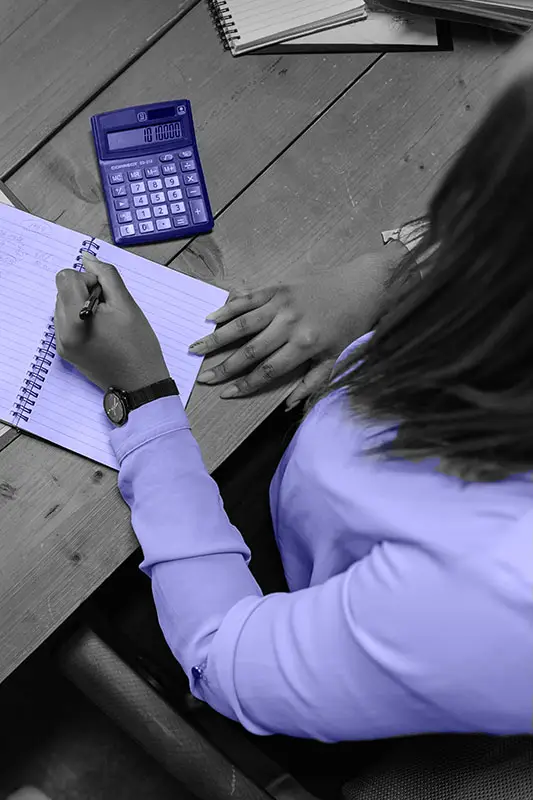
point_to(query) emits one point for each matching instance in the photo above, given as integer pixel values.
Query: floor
(54, 739)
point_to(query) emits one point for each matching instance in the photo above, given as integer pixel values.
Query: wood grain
(55, 55)
(246, 112)
(352, 174)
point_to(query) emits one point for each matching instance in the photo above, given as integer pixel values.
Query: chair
(450, 767)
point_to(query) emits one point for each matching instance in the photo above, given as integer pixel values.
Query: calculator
(153, 181)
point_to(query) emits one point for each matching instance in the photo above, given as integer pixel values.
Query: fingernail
(212, 316)
(197, 347)
(231, 391)
(206, 377)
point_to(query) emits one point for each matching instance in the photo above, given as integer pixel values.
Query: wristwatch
(118, 403)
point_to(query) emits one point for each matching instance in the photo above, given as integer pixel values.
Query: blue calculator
(153, 182)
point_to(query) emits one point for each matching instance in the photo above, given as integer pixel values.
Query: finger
(310, 383)
(113, 287)
(274, 367)
(244, 326)
(73, 287)
(248, 356)
(239, 303)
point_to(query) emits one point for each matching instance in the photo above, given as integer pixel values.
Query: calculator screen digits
(152, 134)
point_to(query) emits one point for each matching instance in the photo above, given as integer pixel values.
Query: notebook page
(70, 411)
(258, 22)
(29, 260)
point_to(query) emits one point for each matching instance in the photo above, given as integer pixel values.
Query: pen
(89, 307)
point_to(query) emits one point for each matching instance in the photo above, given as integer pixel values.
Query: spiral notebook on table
(39, 392)
(246, 25)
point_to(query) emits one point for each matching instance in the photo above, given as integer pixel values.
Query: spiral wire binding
(44, 355)
(223, 22)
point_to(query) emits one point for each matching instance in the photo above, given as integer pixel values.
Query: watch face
(115, 408)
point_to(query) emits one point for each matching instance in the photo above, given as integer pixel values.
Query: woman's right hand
(281, 328)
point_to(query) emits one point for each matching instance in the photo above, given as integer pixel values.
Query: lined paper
(29, 260)
(68, 410)
(259, 23)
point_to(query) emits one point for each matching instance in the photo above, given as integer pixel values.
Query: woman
(403, 508)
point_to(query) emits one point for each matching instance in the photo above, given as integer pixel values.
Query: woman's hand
(117, 345)
(286, 326)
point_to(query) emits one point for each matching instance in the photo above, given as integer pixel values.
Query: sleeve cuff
(148, 422)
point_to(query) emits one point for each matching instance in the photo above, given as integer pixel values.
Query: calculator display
(152, 134)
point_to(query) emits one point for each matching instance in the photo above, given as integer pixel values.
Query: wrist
(142, 378)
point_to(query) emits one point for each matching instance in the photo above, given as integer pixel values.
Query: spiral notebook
(246, 25)
(39, 392)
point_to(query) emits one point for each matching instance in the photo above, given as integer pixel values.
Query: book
(382, 31)
(246, 25)
(505, 12)
(42, 394)
(7, 197)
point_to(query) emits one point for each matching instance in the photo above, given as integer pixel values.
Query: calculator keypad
(158, 192)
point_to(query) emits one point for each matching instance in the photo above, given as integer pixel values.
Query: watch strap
(139, 397)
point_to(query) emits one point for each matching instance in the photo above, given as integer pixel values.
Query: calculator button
(138, 188)
(162, 224)
(177, 208)
(171, 182)
(152, 172)
(193, 191)
(160, 211)
(143, 213)
(168, 169)
(166, 157)
(188, 166)
(190, 177)
(185, 154)
(198, 211)
(124, 216)
(140, 200)
(146, 227)
(157, 197)
(155, 186)
(174, 194)
(127, 230)
(181, 221)
(181, 110)
(116, 177)
(122, 202)
(118, 191)
(135, 175)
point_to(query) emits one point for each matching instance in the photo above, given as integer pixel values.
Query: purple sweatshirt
(411, 602)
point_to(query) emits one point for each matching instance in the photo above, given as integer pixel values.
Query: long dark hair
(451, 360)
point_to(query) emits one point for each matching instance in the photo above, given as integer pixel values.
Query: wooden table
(307, 158)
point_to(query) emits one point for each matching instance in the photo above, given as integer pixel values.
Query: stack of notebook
(506, 12)
(296, 26)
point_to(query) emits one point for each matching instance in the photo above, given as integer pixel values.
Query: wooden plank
(56, 55)
(325, 199)
(246, 112)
